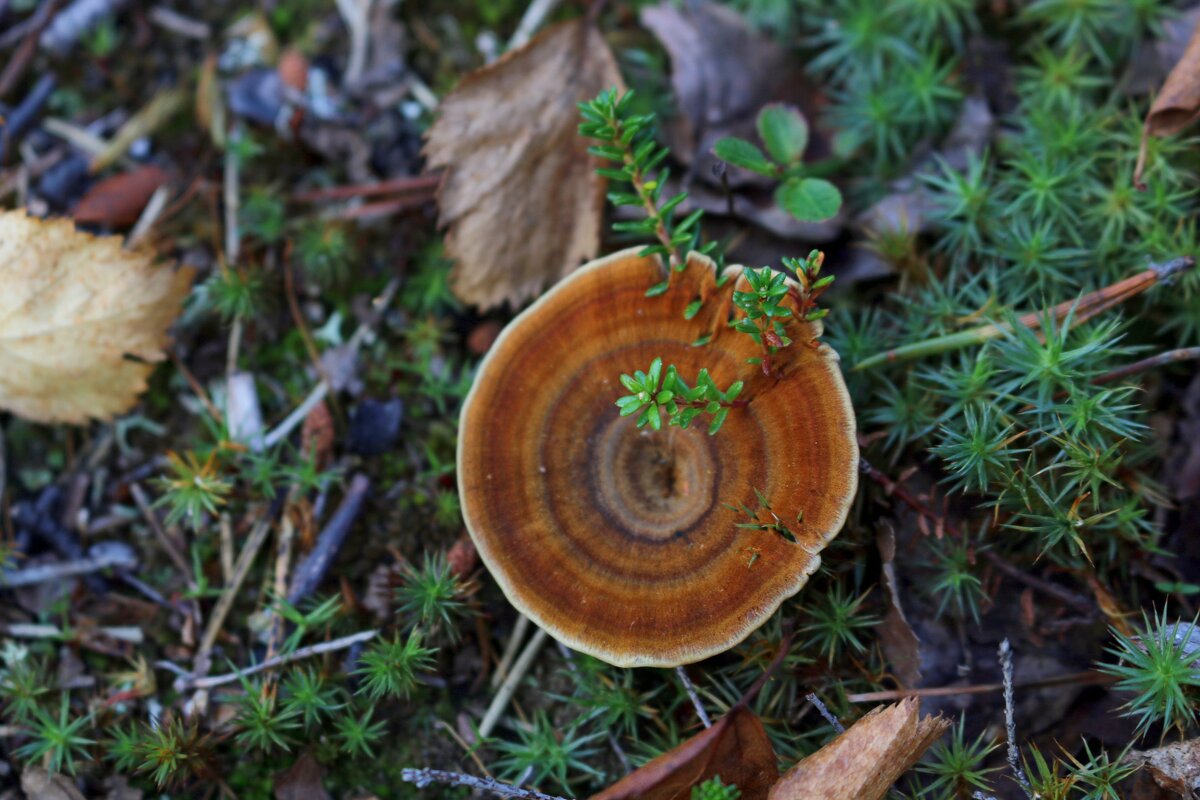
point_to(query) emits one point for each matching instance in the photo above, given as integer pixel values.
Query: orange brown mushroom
(619, 541)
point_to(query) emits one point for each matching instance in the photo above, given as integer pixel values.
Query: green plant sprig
(628, 140)
(784, 132)
(765, 318)
(655, 390)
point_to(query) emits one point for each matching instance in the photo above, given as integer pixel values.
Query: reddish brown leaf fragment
(118, 201)
(736, 747)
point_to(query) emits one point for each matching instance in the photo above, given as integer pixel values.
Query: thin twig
(1073, 312)
(899, 491)
(118, 557)
(1076, 601)
(533, 18)
(509, 687)
(149, 216)
(424, 777)
(829, 716)
(277, 661)
(1153, 362)
(691, 691)
(258, 534)
(122, 633)
(283, 429)
(511, 649)
(164, 538)
(311, 571)
(1010, 722)
(1087, 677)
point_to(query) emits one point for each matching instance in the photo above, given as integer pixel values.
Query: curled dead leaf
(520, 195)
(1177, 104)
(864, 762)
(736, 748)
(73, 309)
(896, 636)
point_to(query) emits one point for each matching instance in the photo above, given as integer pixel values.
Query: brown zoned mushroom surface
(617, 540)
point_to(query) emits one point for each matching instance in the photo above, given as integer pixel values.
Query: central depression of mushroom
(621, 542)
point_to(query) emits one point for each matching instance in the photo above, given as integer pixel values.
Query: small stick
(283, 429)
(899, 491)
(225, 526)
(177, 23)
(277, 661)
(1079, 310)
(511, 649)
(64, 569)
(691, 690)
(1160, 360)
(418, 184)
(533, 18)
(509, 687)
(258, 534)
(829, 716)
(122, 633)
(980, 688)
(311, 571)
(424, 777)
(150, 214)
(169, 544)
(1076, 601)
(209, 406)
(283, 566)
(1010, 723)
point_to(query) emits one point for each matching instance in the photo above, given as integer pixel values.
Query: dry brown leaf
(1175, 767)
(864, 762)
(73, 307)
(736, 748)
(38, 784)
(520, 194)
(303, 780)
(1178, 102)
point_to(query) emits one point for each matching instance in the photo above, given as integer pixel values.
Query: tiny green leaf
(809, 199)
(784, 131)
(743, 154)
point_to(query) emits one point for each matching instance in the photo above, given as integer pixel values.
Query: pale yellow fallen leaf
(72, 308)
(520, 194)
(866, 760)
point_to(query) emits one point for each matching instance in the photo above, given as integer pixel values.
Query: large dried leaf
(520, 194)
(736, 747)
(73, 307)
(864, 762)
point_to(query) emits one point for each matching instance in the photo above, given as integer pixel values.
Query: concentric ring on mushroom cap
(618, 541)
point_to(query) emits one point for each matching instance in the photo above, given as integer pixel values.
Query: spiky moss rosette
(619, 541)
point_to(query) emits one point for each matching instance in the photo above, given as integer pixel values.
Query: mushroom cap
(620, 541)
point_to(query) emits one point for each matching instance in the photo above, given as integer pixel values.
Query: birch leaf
(520, 195)
(74, 308)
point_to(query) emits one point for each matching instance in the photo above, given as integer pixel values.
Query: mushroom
(635, 545)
